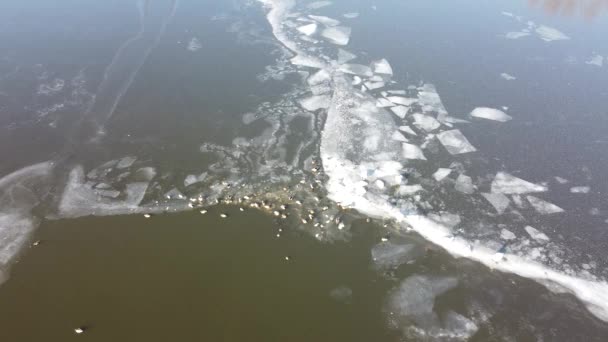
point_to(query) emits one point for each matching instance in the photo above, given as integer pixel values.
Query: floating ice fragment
(549, 34)
(374, 85)
(400, 111)
(543, 207)
(441, 173)
(416, 295)
(308, 30)
(464, 184)
(499, 201)
(505, 183)
(319, 77)
(455, 142)
(561, 180)
(307, 61)
(345, 56)
(517, 35)
(536, 234)
(315, 103)
(580, 189)
(319, 4)
(426, 122)
(339, 35)
(447, 219)
(194, 44)
(356, 69)
(193, 179)
(412, 152)
(490, 114)
(352, 15)
(507, 235)
(405, 101)
(508, 77)
(596, 60)
(327, 21)
(388, 255)
(399, 137)
(126, 162)
(407, 130)
(382, 67)
(404, 190)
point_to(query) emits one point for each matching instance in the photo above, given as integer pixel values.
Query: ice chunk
(319, 77)
(543, 207)
(383, 103)
(307, 61)
(388, 255)
(356, 69)
(580, 189)
(405, 190)
(464, 184)
(447, 219)
(456, 328)
(345, 56)
(405, 101)
(193, 179)
(536, 234)
(455, 142)
(407, 130)
(194, 45)
(416, 295)
(400, 111)
(382, 67)
(499, 201)
(596, 60)
(309, 29)
(490, 114)
(327, 21)
(126, 162)
(316, 102)
(517, 34)
(507, 235)
(339, 35)
(319, 4)
(505, 183)
(549, 34)
(561, 180)
(412, 152)
(352, 15)
(425, 122)
(399, 137)
(508, 77)
(374, 85)
(441, 173)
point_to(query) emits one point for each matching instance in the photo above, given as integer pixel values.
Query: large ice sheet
(455, 142)
(505, 183)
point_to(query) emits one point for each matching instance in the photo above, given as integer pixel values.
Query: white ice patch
(507, 235)
(398, 136)
(441, 173)
(425, 122)
(319, 4)
(499, 201)
(305, 61)
(321, 76)
(505, 183)
(536, 234)
(550, 34)
(580, 189)
(356, 69)
(345, 56)
(507, 76)
(399, 100)
(308, 30)
(194, 45)
(543, 207)
(490, 114)
(351, 15)
(339, 35)
(517, 34)
(407, 130)
(455, 142)
(412, 152)
(405, 190)
(382, 67)
(315, 103)
(374, 85)
(464, 184)
(327, 21)
(400, 111)
(596, 60)
(387, 255)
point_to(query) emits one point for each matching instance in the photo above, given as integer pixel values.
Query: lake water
(282, 170)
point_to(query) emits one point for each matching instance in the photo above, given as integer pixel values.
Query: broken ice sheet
(308, 30)
(327, 21)
(490, 114)
(464, 184)
(382, 67)
(441, 173)
(400, 111)
(543, 207)
(416, 295)
(549, 34)
(319, 77)
(407, 130)
(507, 235)
(536, 234)
(126, 162)
(447, 219)
(425, 122)
(499, 201)
(455, 142)
(398, 136)
(345, 56)
(315, 103)
(384, 103)
(339, 35)
(404, 190)
(412, 152)
(505, 183)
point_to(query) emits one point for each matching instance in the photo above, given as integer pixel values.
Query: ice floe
(399, 100)
(327, 21)
(596, 60)
(319, 4)
(345, 56)
(536, 234)
(425, 122)
(412, 152)
(407, 130)
(351, 15)
(490, 114)
(499, 201)
(506, 234)
(309, 29)
(400, 111)
(517, 34)
(549, 34)
(580, 189)
(315, 103)
(441, 173)
(387, 254)
(356, 69)
(455, 142)
(542, 206)
(464, 184)
(505, 183)
(507, 76)
(382, 67)
(339, 35)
